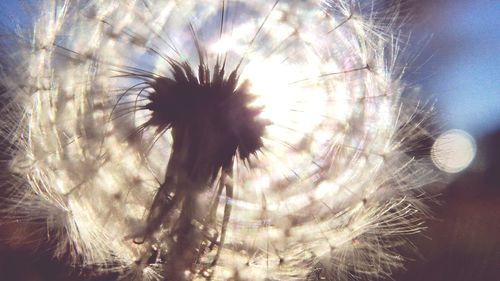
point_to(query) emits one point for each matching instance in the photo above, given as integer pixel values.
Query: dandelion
(216, 140)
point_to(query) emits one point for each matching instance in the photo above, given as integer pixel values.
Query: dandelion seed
(217, 140)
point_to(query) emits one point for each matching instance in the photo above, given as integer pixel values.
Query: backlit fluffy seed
(223, 140)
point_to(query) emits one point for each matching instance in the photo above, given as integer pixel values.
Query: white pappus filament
(327, 193)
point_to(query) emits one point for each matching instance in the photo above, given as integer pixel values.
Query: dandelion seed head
(137, 110)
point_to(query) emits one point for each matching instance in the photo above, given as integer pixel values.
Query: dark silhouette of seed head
(210, 118)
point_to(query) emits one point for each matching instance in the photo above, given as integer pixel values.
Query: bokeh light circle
(453, 151)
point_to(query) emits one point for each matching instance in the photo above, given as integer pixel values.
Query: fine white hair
(332, 194)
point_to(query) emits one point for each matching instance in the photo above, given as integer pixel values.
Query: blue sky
(462, 72)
